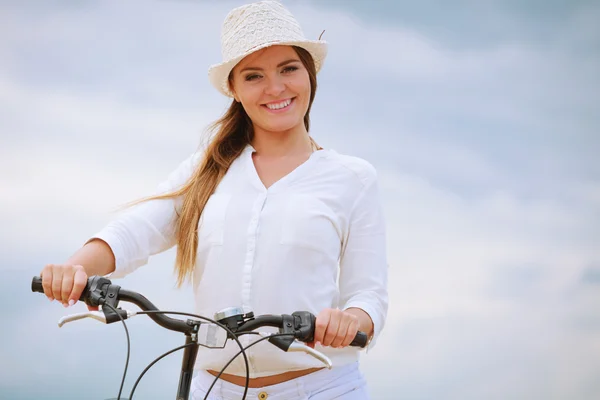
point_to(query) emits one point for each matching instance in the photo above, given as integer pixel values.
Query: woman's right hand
(64, 283)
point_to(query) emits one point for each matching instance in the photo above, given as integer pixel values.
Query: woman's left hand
(335, 328)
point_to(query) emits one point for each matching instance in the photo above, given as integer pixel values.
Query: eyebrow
(281, 64)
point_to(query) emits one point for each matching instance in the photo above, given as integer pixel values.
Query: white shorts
(345, 383)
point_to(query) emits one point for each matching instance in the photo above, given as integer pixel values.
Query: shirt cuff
(377, 321)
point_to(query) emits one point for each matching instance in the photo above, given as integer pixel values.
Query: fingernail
(65, 305)
(50, 298)
(71, 302)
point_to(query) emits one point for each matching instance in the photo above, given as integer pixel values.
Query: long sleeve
(147, 228)
(363, 264)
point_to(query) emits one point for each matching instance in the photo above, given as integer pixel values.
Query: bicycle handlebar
(100, 290)
(293, 329)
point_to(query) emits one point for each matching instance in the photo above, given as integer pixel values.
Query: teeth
(277, 106)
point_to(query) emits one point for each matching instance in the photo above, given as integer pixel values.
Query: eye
(252, 77)
(289, 69)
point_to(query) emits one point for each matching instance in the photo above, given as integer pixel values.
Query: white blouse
(315, 239)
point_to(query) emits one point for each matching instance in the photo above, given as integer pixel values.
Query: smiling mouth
(282, 105)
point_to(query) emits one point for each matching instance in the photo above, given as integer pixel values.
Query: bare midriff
(264, 380)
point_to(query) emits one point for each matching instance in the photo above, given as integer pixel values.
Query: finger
(79, 282)
(57, 276)
(67, 286)
(351, 333)
(46, 275)
(341, 332)
(332, 327)
(321, 326)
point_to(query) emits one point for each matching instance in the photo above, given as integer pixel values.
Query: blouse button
(263, 395)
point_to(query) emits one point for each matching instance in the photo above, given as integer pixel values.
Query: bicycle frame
(187, 368)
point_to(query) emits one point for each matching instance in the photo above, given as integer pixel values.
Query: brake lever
(97, 315)
(297, 346)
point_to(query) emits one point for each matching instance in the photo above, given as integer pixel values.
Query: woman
(263, 218)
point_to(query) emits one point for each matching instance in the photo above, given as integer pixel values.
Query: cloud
(477, 25)
(435, 106)
(486, 152)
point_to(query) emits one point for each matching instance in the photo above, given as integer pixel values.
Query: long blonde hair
(232, 133)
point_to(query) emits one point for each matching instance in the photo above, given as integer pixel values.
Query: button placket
(253, 230)
(252, 234)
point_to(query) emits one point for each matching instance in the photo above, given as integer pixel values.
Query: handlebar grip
(360, 340)
(36, 285)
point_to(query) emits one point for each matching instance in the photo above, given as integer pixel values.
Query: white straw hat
(255, 26)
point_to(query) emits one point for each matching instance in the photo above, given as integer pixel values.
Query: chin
(282, 126)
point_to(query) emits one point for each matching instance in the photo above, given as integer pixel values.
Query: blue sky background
(482, 119)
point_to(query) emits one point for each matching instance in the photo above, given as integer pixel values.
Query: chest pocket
(309, 223)
(212, 222)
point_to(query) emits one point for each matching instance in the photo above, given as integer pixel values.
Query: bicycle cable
(233, 335)
(243, 351)
(157, 359)
(128, 345)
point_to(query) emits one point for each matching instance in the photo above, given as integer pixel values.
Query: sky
(481, 118)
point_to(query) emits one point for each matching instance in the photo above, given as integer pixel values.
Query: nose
(275, 86)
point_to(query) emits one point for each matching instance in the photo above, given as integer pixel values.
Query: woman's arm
(145, 229)
(363, 274)
(95, 257)
(123, 245)
(363, 263)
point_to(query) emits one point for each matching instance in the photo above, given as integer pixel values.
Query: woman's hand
(64, 283)
(335, 328)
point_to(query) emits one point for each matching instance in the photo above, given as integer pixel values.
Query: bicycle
(227, 324)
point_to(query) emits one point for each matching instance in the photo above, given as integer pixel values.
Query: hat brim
(218, 74)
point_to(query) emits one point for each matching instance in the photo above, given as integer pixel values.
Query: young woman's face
(274, 88)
